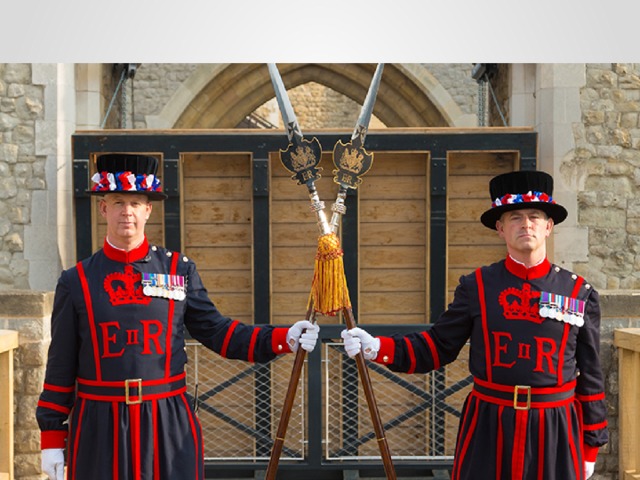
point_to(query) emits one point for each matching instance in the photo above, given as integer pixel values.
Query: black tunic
(497, 309)
(106, 331)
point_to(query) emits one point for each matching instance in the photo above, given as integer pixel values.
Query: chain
(482, 103)
(123, 107)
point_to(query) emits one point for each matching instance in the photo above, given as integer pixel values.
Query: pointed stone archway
(221, 95)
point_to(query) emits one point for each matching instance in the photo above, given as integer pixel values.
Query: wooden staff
(329, 293)
(378, 427)
(289, 398)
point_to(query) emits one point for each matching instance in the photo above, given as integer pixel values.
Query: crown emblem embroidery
(517, 304)
(125, 288)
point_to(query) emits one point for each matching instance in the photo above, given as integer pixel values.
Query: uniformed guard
(114, 393)
(537, 409)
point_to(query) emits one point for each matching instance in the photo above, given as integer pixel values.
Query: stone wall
(28, 313)
(606, 168)
(316, 106)
(456, 79)
(154, 84)
(21, 171)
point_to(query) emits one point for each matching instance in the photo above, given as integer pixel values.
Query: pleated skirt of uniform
(500, 443)
(155, 440)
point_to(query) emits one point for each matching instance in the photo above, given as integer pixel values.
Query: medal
(562, 308)
(163, 285)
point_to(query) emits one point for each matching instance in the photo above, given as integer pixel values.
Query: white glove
(307, 339)
(53, 463)
(357, 339)
(589, 468)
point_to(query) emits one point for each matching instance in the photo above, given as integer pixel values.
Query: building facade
(587, 117)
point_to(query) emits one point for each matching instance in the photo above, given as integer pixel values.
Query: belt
(524, 397)
(132, 391)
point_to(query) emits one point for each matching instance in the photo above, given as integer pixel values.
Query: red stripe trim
(56, 388)
(54, 406)
(590, 453)
(563, 346)
(412, 356)
(576, 287)
(590, 398)
(433, 350)
(116, 451)
(120, 383)
(534, 390)
(91, 319)
(172, 303)
(595, 426)
(485, 330)
(456, 457)
(519, 444)
(565, 333)
(122, 398)
(77, 440)
(53, 439)
(509, 403)
(134, 415)
(227, 338)
(156, 446)
(252, 344)
(469, 435)
(541, 442)
(194, 433)
(572, 444)
(499, 444)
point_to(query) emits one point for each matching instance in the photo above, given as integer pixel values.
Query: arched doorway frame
(221, 95)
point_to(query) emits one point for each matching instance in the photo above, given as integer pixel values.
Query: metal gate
(330, 426)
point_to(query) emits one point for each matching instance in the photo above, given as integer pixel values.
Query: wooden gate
(411, 229)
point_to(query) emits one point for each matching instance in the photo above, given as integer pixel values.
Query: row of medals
(163, 285)
(561, 307)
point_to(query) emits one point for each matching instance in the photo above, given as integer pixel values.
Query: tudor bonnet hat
(127, 173)
(519, 190)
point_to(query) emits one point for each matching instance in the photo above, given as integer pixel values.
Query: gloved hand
(357, 339)
(53, 463)
(306, 340)
(589, 468)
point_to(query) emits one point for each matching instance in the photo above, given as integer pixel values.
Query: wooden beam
(8, 342)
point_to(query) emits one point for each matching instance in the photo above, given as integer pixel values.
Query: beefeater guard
(114, 392)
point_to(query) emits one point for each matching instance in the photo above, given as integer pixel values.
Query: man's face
(525, 231)
(126, 216)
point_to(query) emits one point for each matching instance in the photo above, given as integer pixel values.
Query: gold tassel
(329, 292)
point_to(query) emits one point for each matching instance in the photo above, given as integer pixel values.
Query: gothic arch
(221, 95)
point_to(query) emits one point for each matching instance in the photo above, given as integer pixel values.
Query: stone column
(558, 115)
(51, 226)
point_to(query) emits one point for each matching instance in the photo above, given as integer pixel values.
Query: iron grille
(239, 406)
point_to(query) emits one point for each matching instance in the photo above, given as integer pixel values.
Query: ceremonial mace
(329, 293)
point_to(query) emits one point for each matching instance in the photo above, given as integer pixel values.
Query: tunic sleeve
(58, 394)
(590, 382)
(227, 337)
(437, 346)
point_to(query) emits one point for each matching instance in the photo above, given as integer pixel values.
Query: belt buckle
(516, 392)
(137, 383)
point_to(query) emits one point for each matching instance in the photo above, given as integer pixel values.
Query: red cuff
(387, 351)
(590, 453)
(53, 439)
(279, 341)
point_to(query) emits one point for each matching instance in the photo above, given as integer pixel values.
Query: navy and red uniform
(116, 366)
(514, 353)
